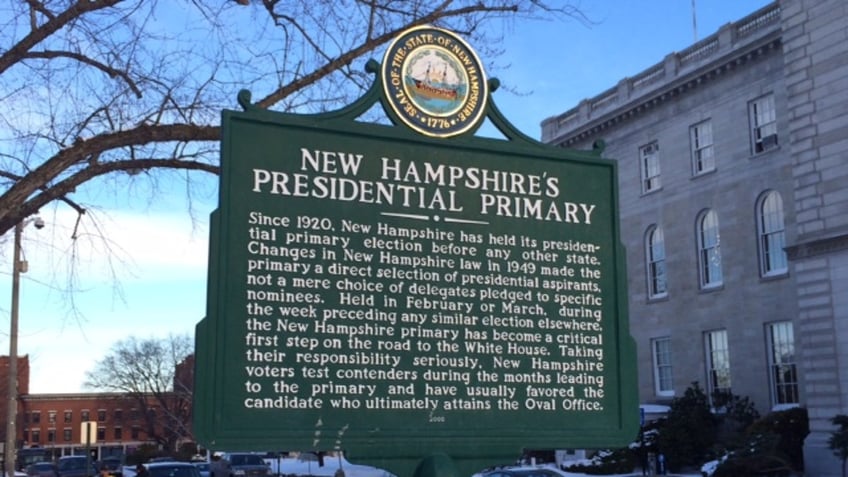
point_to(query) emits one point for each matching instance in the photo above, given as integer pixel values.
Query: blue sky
(160, 288)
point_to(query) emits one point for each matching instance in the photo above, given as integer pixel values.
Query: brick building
(54, 421)
(23, 386)
(734, 211)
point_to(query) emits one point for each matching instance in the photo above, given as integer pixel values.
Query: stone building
(733, 173)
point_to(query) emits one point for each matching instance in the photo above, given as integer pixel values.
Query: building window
(718, 362)
(709, 251)
(36, 417)
(35, 437)
(662, 366)
(66, 434)
(51, 417)
(649, 156)
(134, 414)
(655, 257)
(784, 375)
(118, 434)
(101, 434)
(134, 432)
(763, 123)
(771, 235)
(701, 143)
(26, 435)
(101, 415)
(85, 415)
(51, 436)
(119, 415)
(68, 417)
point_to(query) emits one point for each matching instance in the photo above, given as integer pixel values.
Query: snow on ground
(308, 465)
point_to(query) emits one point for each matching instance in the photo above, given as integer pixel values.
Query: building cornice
(817, 247)
(735, 44)
(75, 396)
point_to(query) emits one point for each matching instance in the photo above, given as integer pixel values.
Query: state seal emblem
(434, 82)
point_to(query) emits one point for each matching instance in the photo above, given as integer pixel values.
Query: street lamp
(18, 266)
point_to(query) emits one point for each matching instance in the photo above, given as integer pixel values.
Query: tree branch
(81, 150)
(371, 44)
(112, 72)
(75, 11)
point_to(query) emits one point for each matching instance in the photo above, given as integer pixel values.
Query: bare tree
(108, 93)
(146, 371)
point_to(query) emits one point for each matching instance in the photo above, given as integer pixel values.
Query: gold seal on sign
(434, 82)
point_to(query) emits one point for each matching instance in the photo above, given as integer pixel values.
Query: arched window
(771, 232)
(709, 251)
(655, 262)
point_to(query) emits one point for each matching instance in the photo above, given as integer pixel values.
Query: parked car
(31, 455)
(172, 469)
(111, 466)
(202, 467)
(42, 469)
(246, 464)
(75, 466)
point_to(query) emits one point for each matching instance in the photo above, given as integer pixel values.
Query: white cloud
(135, 274)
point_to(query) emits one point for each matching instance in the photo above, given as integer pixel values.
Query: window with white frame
(717, 362)
(763, 121)
(655, 258)
(663, 383)
(649, 157)
(781, 360)
(701, 143)
(771, 231)
(709, 250)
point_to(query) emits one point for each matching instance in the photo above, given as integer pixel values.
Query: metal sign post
(88, 437)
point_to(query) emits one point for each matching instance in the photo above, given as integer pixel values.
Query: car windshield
(173, 471)
(246, 460)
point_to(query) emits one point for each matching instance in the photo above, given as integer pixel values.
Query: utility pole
(18, 266)
(9, 453)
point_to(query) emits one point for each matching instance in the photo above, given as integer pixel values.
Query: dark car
(172, 469)
(42, 469)
(75, 466)
(111, 466)
(245, 464)
(203, 468)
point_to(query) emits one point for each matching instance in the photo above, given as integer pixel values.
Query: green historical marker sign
(410, 290)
